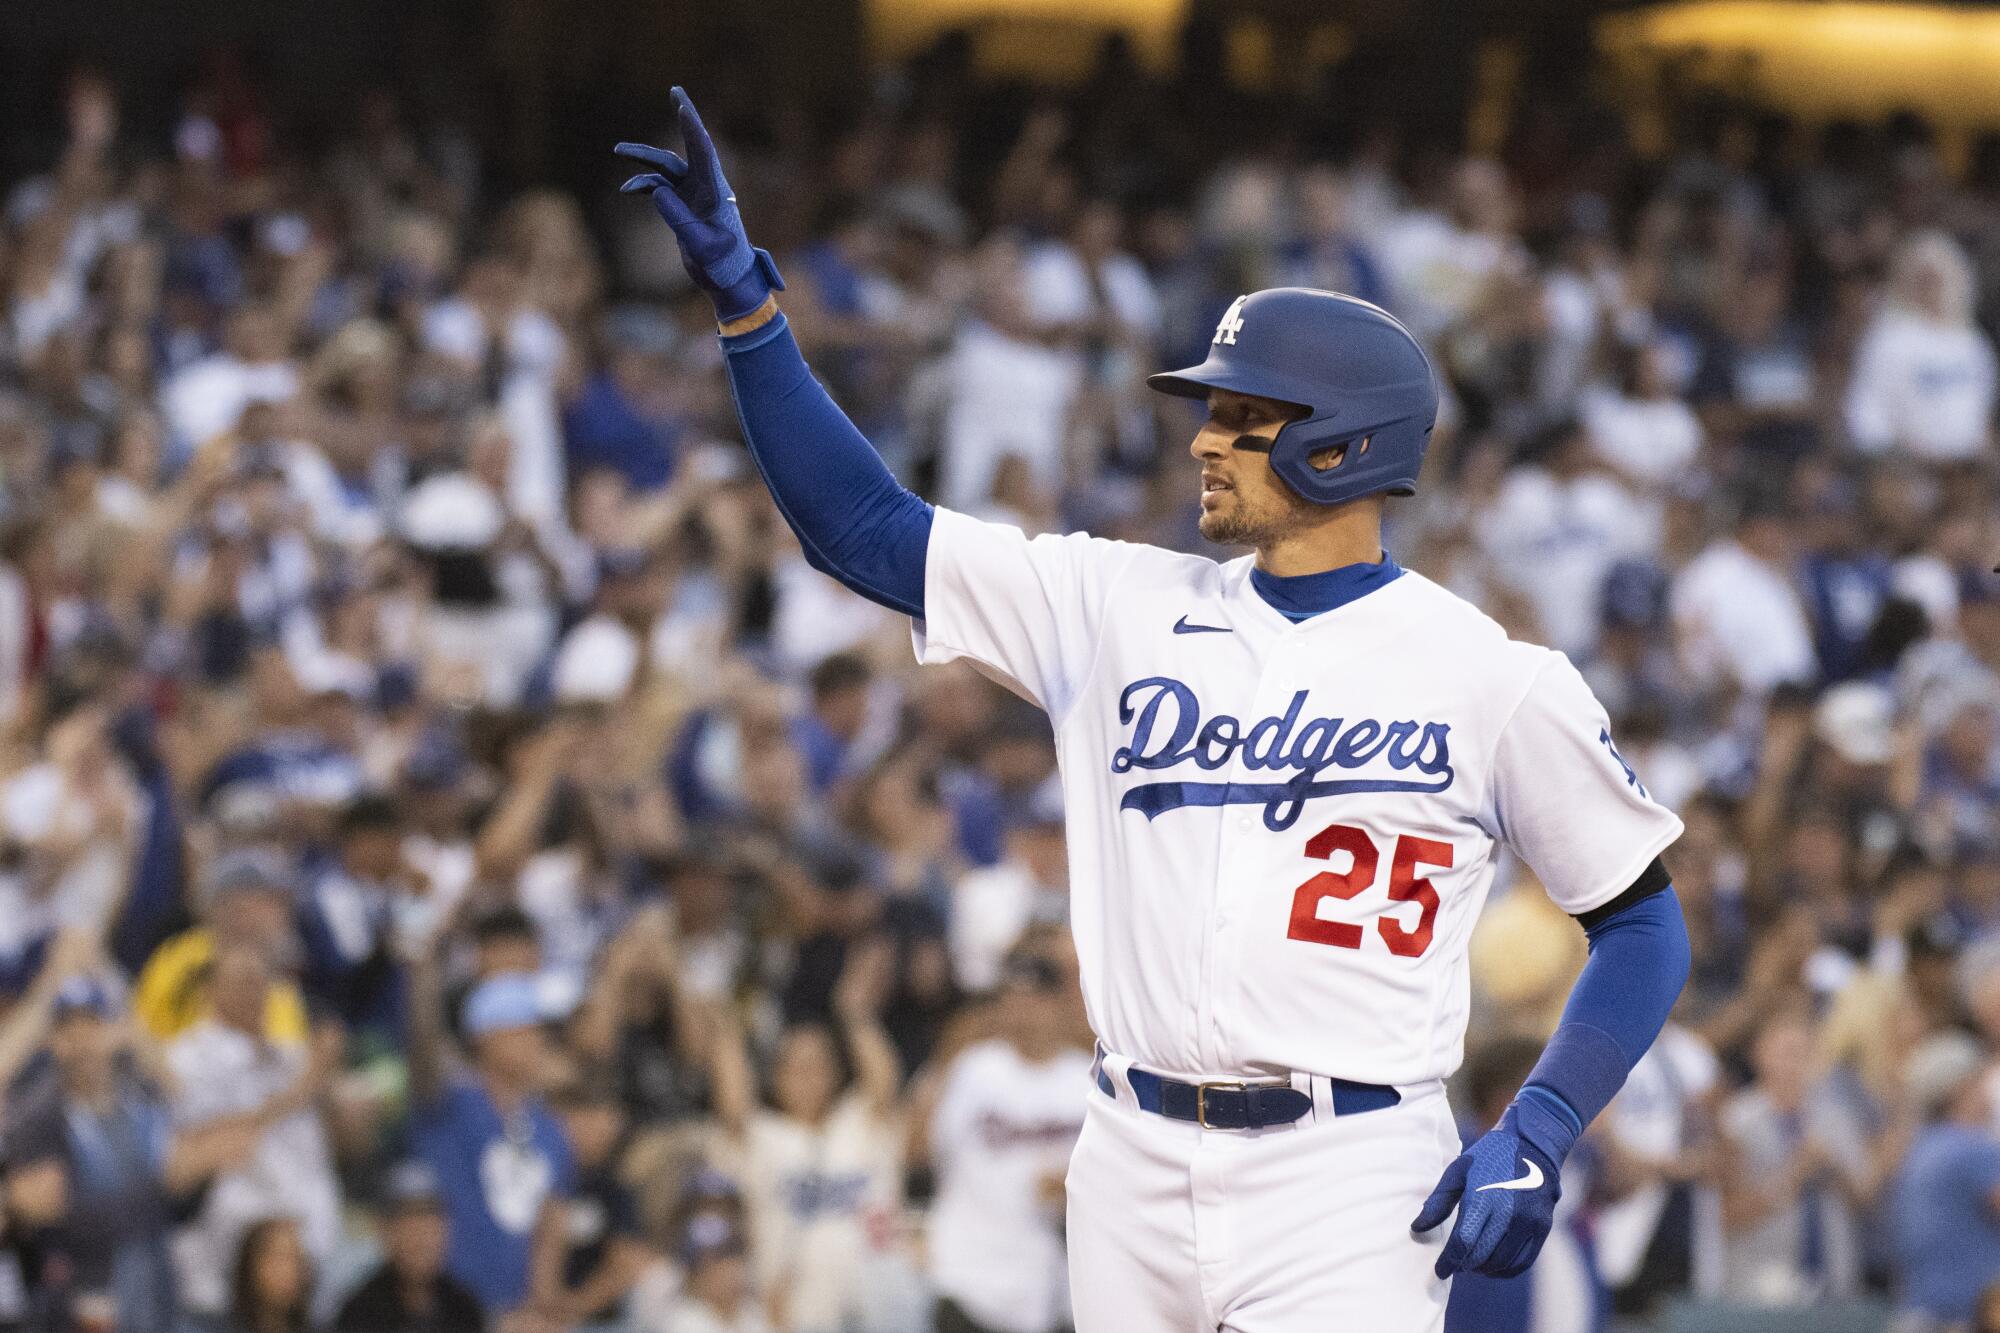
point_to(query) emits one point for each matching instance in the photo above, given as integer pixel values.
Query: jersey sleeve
(1566, 800)
(1029, 612)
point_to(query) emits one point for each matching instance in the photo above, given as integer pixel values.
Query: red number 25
(1404, 887)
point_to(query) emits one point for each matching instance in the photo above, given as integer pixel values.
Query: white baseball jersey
(1003, 1129)
(822, 1202)
(1280, 834)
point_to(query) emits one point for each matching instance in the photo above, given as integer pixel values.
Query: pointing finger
(700, 148)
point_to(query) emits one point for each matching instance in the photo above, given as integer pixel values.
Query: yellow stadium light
(1825, 60)
(1043, 39)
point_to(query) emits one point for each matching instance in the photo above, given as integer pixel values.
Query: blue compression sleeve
(1639, 959)
(853, 518)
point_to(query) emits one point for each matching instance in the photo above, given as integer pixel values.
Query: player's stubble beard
(1262, 514)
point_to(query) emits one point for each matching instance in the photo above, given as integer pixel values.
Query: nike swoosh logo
(1531, 1181)
(1181, 626)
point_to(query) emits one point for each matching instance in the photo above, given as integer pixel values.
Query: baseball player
(1286, 780)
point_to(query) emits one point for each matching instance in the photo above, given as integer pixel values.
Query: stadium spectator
(410, 1291)
(224, 1068)
(503, 1165)
(273, 1280)
(248, 899)
(1947, 1207)
(96, 1169)
(720, 1298)
(1793, 1174)
(1923, 376)
(1002, 1119)
(606, 1251)
(822, 1166)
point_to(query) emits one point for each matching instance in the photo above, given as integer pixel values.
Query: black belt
(1227, 1105)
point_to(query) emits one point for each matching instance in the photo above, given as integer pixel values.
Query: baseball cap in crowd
(1857, 721)
(510, 1000)
(411, 1186)
(85, 994)
(453, 511)
(710, 1236)
(1634, 596)
(248, 870)
(1939, 1067)
(596, 664)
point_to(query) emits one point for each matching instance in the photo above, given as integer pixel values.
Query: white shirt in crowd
(1006, 397)
(206, 399)
(1001, 1136)
(1922, 387)
(1440, 271)
(1553, 539)
(1057, 289)
(1740, 618)
(220, 1071)
(990, 908)
(1654, 1118)
(823, 1207)
(1650, 440)
(1764, 1262)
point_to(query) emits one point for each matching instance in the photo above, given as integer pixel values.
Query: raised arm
(857, 1003)
(853, 519)
(732, 1082)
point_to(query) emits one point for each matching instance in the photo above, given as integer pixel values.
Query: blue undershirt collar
(1299, 597)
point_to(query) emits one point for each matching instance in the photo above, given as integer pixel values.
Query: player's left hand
(1505, 1188)
(694, 199)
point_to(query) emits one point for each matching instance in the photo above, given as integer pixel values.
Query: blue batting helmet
(1360, 377)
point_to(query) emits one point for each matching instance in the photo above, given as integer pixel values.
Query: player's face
(1243, 503)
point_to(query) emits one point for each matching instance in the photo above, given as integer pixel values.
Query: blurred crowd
(459, 868)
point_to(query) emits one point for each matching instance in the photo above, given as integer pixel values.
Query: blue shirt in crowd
(604, 429)
(495, 1172)
(1947, 1230)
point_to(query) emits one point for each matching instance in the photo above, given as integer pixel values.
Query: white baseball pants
(1301, 1228)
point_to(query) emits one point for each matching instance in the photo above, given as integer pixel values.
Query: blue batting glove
(1505, 1188)
(698, 204)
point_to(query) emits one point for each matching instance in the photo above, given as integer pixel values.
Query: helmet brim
(1197, 381)
(1179, 383)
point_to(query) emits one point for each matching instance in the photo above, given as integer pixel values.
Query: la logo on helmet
(1232, 323)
